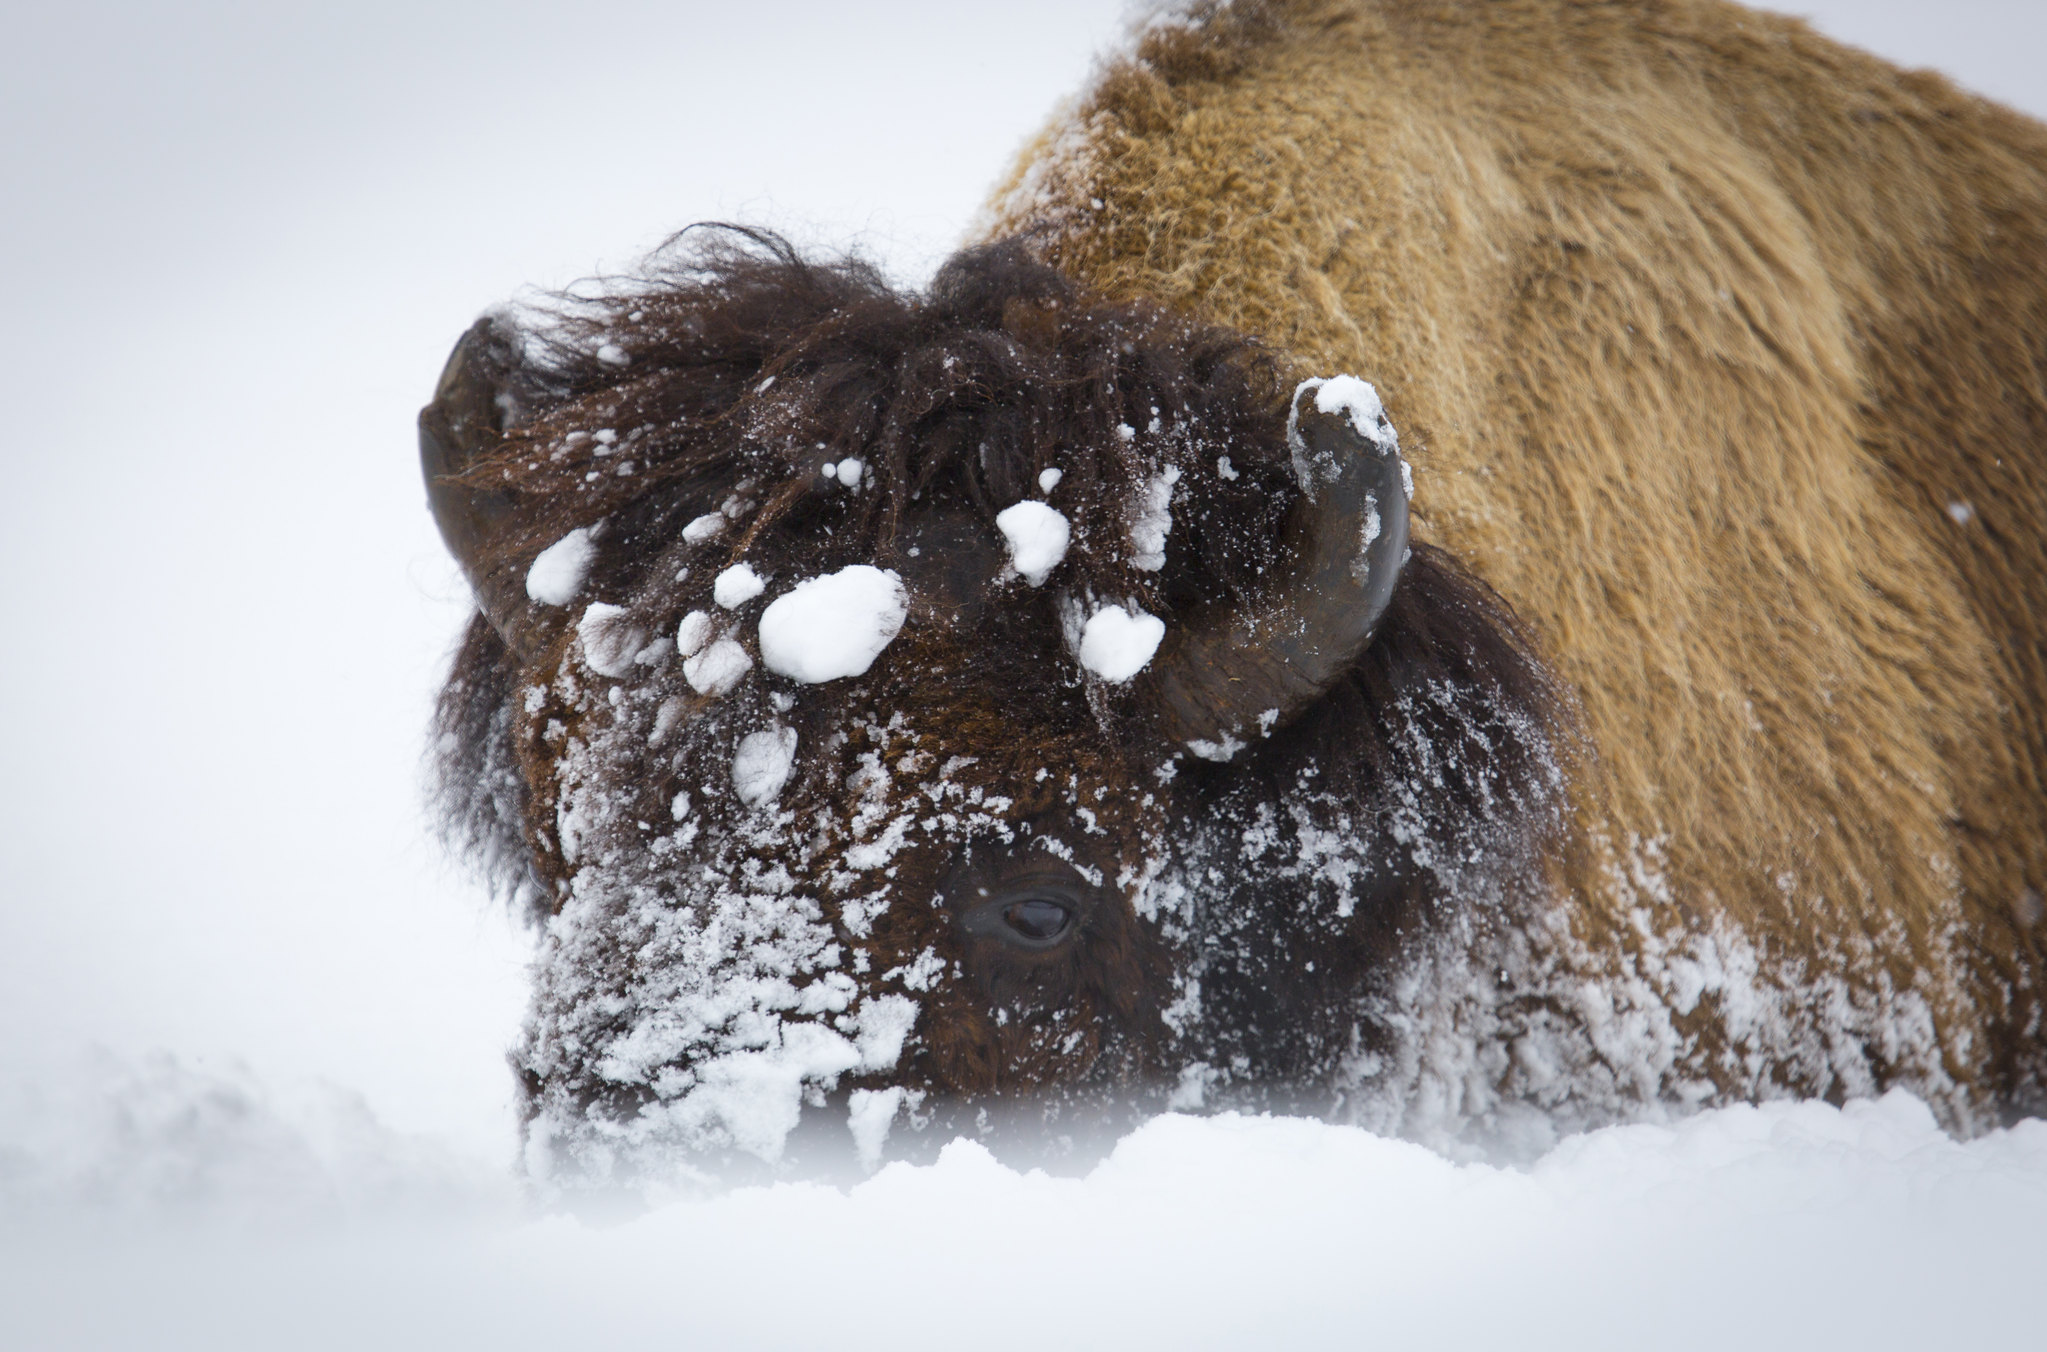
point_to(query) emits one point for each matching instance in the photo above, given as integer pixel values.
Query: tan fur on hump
(1695, 325)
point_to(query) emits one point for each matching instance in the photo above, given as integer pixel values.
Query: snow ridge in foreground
(155, 1206)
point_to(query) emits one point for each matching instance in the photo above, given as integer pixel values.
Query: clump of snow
(1227, 744)
(610, 644)
(869, 1115)
(1115, 644)
(694, 632)
(558, 571)
(1222, 749)
(736, 586)
(832, 626)
(1037, 535)
(1049, 479)
(760, 767)
(705, 527)
(1354, 398)
(718, 669)
(1153, 521)
(1224, 469)
(1359, 403)
(850, 470)
(611, 354)
(1961, 512)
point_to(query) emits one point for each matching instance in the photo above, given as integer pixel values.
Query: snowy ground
(252, 1091)
(187, 1211)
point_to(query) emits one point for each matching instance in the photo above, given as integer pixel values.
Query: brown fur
(747, 366)
(1719, 353)
(1696, 325)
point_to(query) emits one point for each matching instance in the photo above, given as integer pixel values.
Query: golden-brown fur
(1721, 352)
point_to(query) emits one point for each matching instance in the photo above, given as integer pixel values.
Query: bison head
(995, 709)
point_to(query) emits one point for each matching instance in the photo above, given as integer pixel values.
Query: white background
(238, 240)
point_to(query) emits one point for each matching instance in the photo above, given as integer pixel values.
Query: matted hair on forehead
(731, 357)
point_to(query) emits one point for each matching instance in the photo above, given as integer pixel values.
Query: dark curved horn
(465, 422)
(1233, 672)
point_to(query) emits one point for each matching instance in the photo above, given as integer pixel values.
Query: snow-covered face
(854, 842)
(901, 825)
(916, 708)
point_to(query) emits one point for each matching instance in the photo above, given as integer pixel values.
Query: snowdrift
(152, 1206)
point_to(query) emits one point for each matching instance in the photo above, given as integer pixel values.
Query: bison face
(958, 710)
(913, 882)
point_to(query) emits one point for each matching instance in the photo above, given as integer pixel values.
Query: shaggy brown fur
(750, 362)
(1721, 351)
(727, 372)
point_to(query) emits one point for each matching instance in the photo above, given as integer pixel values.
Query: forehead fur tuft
(731, 363)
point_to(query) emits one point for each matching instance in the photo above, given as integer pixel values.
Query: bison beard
(989, 891)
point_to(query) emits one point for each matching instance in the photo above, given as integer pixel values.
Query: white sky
(238, 242)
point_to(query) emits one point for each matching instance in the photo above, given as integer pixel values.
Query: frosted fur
(1505, 1030)
(753, 1011)
(1489, 1039)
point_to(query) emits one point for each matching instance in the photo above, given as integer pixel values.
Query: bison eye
(1038, 919)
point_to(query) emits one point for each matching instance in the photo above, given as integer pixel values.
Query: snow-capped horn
(464, 423)
(1230, 673)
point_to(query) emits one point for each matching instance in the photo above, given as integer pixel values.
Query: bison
(1060, 694)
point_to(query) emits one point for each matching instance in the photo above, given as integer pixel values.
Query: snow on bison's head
(991, 709)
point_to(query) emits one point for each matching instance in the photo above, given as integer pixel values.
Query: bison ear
(463, 425)
(1231, 670)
